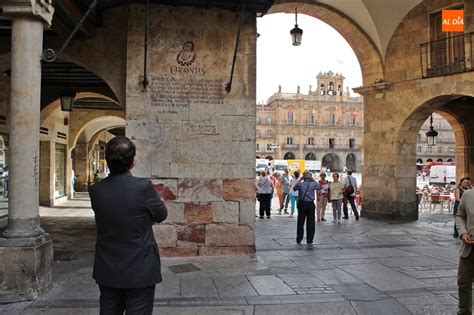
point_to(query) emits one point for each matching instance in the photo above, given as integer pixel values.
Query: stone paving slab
(294, 299)
(234, 286)
(334, 276)
(388, 306)
(383, 278)
(330, 308)
(270, 285)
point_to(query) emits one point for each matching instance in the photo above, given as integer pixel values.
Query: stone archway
(419, 161)
(310, 156)
(289, 156)
(270, 158)
(332, 162)
(399, 187)
(351, 162)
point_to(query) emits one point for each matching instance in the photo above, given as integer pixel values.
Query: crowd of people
(308, 197)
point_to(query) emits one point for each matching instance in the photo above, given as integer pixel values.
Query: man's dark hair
(349, 172)
(120, 153)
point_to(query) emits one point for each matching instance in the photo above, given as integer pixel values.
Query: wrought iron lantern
(66, 97)
(431, 135)
(296, 32)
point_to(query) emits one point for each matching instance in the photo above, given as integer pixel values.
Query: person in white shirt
(265, 192)
(350, 189)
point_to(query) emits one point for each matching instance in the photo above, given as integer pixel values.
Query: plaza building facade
(324, 124)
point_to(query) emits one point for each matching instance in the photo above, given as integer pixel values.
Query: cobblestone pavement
(356, 267)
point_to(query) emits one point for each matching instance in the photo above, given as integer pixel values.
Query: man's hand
(466, 238)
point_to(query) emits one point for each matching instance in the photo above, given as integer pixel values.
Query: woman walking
(464, 184)
(294, 194)
(335, 195)
(265, 192)
(323, 195)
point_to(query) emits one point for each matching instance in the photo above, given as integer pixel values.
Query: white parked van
(280, 166)
(442, 174)
(261, 164)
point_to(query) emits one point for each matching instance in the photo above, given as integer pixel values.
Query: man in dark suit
(127, 262)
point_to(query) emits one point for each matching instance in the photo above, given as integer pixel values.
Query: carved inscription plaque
(172, 95)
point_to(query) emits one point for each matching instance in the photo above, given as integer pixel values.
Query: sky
(280, 63)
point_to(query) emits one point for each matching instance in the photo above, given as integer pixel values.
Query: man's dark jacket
(126, 254)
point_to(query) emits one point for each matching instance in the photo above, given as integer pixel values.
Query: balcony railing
(290, 146)
(450, 55)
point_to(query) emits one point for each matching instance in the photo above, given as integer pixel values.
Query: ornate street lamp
(296, 32)
(66, 97)
(431, 135)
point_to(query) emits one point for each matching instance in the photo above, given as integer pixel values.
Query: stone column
(25, 250)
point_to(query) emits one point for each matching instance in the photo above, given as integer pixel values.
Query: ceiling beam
(74, 14)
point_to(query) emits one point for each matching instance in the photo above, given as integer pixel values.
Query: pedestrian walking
(306, 188)
(265, 192)
(462, 187)
(285, 184)
(127, 262)
(279, 190)
(350, 189)
(323, 196)
(465, 225)
(293, 193)
(335, 196)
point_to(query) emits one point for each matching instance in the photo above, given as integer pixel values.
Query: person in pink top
(323, 196)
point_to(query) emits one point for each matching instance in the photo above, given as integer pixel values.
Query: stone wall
(194, 140)
(393, 118)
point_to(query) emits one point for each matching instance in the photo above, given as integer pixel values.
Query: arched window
(322, 90)
(419, 161)
(439, 160)
(449, 160)
(310, 156)
(289, 156)
(429, 160)
(331, 88)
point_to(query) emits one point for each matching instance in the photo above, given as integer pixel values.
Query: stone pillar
(82, 166)
(25, 250)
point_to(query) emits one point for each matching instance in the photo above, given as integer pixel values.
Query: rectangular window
(258, 147)
(419, 149)
(290, 117)
(257, 120)
(258, 133)
(440, 149)
(269, 120)
(310, 141)
(269, 133)
(332, 119)
(419, 137)
(351, 143)
(269, 147)
(289, 140)
(429, 149)
(310, 119)
(332, 143)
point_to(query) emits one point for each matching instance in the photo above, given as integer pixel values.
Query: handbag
(349, 190)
